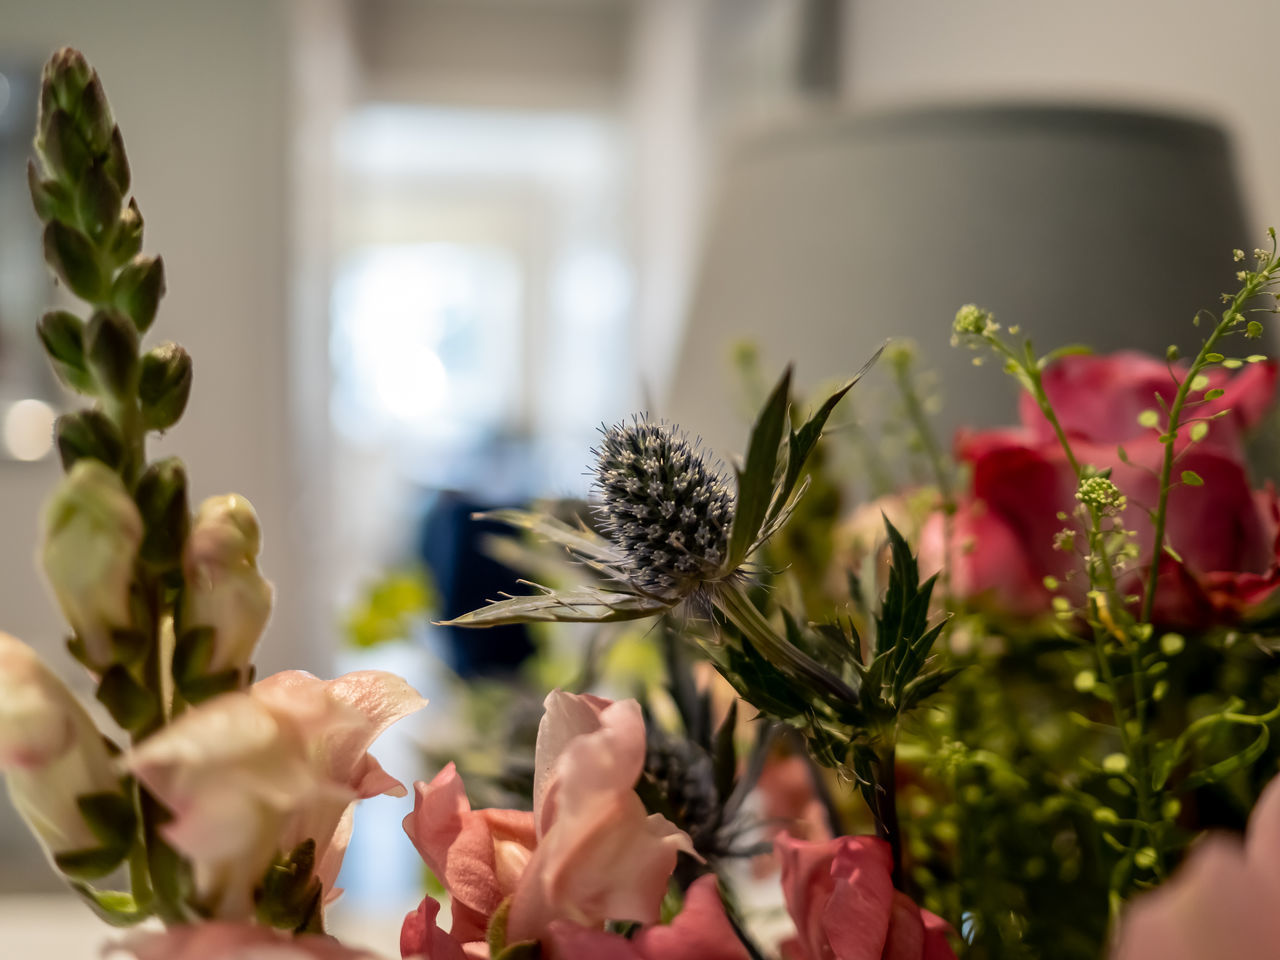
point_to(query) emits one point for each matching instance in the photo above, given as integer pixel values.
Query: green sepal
(290, 894)
(130, 704)
(62, 336)
(192, 653)
(496, 938)
(51, 199)
(73, 258)
(112, 819)
(116, 161)
(198, 689)
(115, 907)
(88, 433)
(111, 349)
(161, 496)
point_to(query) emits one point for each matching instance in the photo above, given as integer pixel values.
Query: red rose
(1003, 542)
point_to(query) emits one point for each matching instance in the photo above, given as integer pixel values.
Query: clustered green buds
(666, 509)
(1101, 493)
(972, 320)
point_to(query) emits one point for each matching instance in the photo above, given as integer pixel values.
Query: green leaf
(1192, 479)
(1238, 761)
(755, 480)
(925, 685)
(802, 442)
(577, 540)
(580, 605)
(1148, 418)
(724, 757)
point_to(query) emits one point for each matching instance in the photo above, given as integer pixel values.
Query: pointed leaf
(803, 441)
(755, 480)
(580, 605)
(577, 540)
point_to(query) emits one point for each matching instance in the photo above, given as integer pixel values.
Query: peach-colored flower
(92, 530)
(599, 855)
(840, 895)
(224, 589)
(50, 750)
(251, 774)
(421, 937)
(587, 853)
(700, 931)
(479, 855)
(1221, 903)
(233, 941)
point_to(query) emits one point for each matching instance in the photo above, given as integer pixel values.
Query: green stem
(737, 607)
(886, 809)
(1230, 317)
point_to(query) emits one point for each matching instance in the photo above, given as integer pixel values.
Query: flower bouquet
(1014, 705)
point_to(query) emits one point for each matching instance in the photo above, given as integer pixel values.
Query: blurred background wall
(426, 245)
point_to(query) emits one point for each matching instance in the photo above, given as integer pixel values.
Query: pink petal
(421, 937)
(700, 931)
(568, 941)
(565, 716)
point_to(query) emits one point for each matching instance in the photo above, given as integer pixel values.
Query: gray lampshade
(830, 234)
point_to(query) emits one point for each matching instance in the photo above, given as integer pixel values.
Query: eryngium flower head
(666, 509)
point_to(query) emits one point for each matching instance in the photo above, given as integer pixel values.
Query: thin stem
(886, 809)
(1230, 317)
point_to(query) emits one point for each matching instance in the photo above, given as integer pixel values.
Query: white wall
(1215, 59)
(200, 91)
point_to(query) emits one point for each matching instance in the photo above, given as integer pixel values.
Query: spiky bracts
(663, 505)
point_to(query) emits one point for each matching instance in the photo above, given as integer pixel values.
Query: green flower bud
(63, 147)
(67, 74)
(49, 197)
(138, 289)
(164, 386)
(161, 496)
(972, 320)
(88, 434)
(128, 239)
(92, 531)
(73, 259)
(116, 162)
(1101, 492)
(111, 346)
(62, 335)
(95, 115)
(98, 201)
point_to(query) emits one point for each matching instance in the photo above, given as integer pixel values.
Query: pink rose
(251, 774)
(1098, 398)
(1220, 903)
(840, 895)
(232, 941)
(1002, 544)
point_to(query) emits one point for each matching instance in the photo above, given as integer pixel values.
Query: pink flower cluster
(1226, 534)
(588, 853)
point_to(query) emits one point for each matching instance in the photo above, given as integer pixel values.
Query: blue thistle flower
(666, 509)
